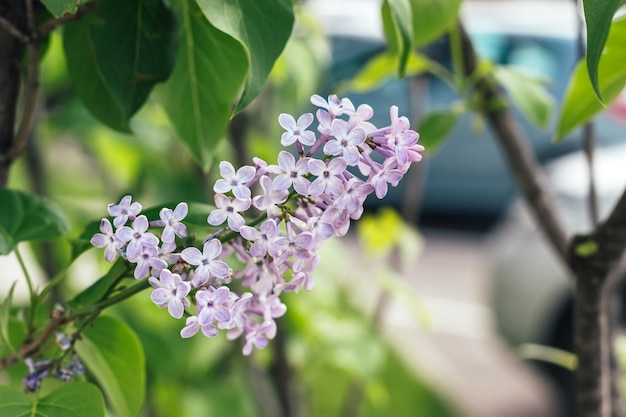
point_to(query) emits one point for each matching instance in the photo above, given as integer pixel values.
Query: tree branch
(529, 175)
(52, 24)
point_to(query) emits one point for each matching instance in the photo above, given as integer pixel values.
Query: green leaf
(118, 54)
(580, 103)
(209, 72)
(99, 289)
(527, 93)
(75, 399)
(598, 17)
(436, 127)
(381, 68)
(262, 29)
(397, 17)
(112, 352)
(25, 217)
(60, 7)
(5, 315)
(432, 18)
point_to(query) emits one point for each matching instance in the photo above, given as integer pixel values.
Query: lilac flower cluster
(309, 196)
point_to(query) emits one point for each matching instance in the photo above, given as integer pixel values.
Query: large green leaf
(209, 72)
(75, 399)
(432, 18)
(436, 127)
(60, 7)
(527, 93)
(112, 352)
(580, 103)
(598, 17)
(98, 290)
(116, 55)
(398, 28)
(25, 216)
(263, 29)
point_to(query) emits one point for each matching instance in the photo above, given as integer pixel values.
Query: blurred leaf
(117, 54)
(549, 354)
(397, 18)
(83, 242)
(435, 128)
(379, 233)
(580, 103)
(432, 18)
(598, 17)
(76, 399)
(527, 93)
(99, 289)
(113, 354)
(60, 7)
(262, 29)
(25, 216)
(5, 315)
(209, 72)
(381, 68)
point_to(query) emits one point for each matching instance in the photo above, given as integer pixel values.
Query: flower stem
(121, 296)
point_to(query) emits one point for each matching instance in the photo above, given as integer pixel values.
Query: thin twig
(52, 24)
(10, 28)
(31, 89)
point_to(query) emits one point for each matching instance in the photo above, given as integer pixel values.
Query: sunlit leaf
(209, 72)
(398, 22)
(76, 399)
(25, 217)
(432, 18)
(263, 29)
(60, 7)
(580, 103)
(117, 54)
(527, 93)
(113, 354)
(381, 68)
(598, 17)
(99, 289)
(435, 128)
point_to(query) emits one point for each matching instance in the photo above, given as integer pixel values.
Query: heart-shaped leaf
(75, 399)
(112, 352)
(25, 216)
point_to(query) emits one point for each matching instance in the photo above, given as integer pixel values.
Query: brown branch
(52, 24)
(9, 28)
(529, 175)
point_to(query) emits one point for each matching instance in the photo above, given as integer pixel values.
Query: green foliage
(527, 93)
(580, 103)
(432, 18)
(5, 315)
(76, 399)
(208, 74)
(262, 32)
(436, 126)
(114, 356)
(60, 7)
(117, 54)
(26, 217)
(398, 28)
(598, 17)
(103, 286)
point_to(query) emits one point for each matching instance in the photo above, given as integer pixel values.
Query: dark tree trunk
(11, 53)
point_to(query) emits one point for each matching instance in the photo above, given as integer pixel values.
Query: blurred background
(445, 301)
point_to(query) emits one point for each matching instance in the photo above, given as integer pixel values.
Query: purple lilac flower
(293, 173)
(328, 175)
(172, 221)
(401, 138)
(234, 181)
(137, 237)
(345, 142)
(296, 131)
(228, 210)
(271, 197)
(207, 264)
(214, 305)
(296, 246)
(387, 174)
(124, 211)
(171, 292)
(192, 325)
(352, 200)
(107, 240)
(264, 238)
(334, 105)
(148, 258)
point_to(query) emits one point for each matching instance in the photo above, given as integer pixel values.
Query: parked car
(467, 183)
